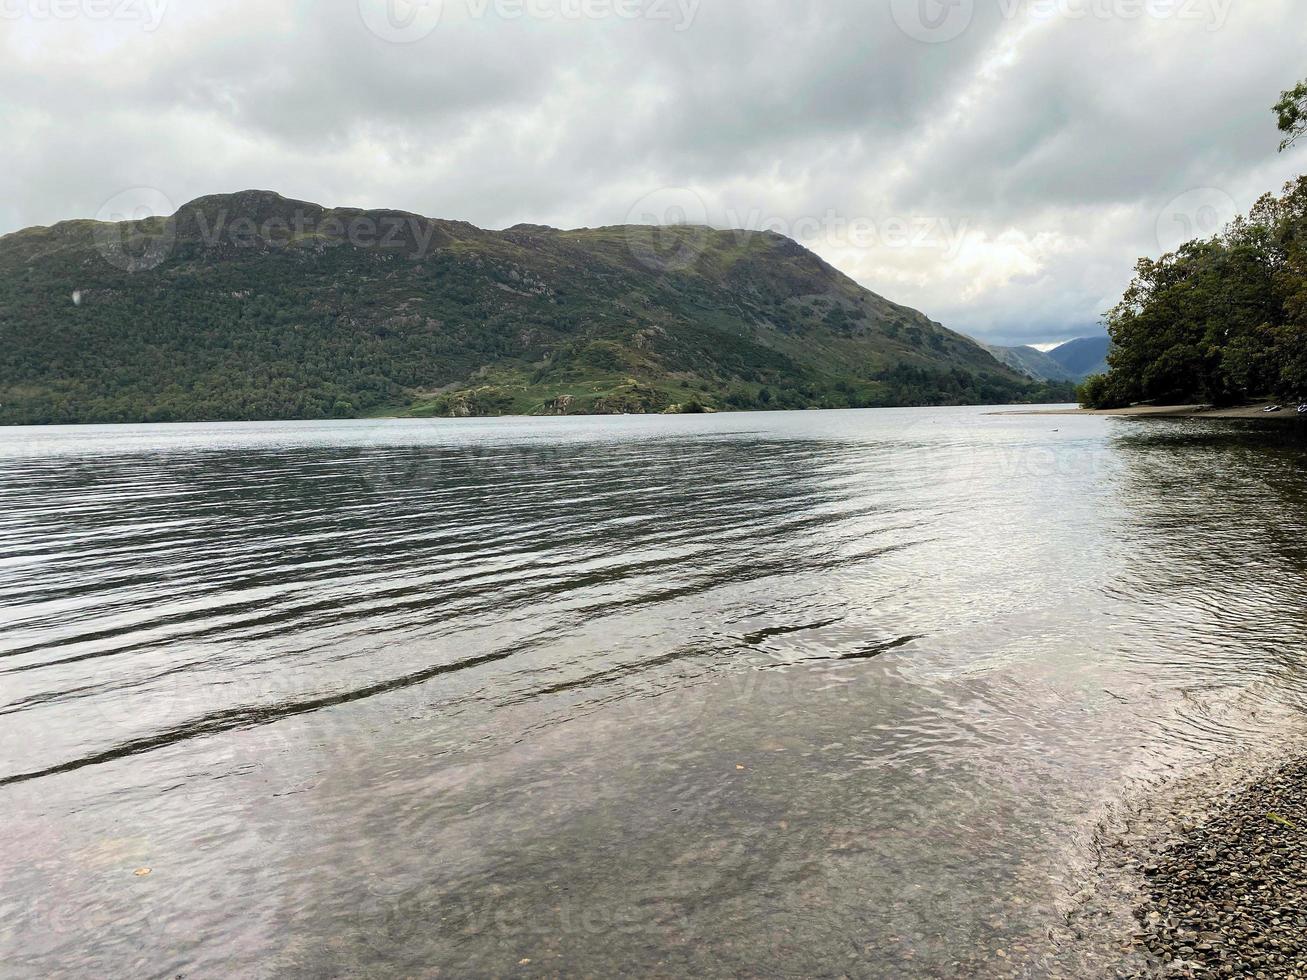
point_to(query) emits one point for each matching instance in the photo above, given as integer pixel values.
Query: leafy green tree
(1098, 391)
(1216, 321)
(1291, 112)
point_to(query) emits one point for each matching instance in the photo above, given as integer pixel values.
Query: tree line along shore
(1222, 321)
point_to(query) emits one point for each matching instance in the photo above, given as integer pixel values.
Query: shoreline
(1226, 897)
(1254, 411)
(1212, 869)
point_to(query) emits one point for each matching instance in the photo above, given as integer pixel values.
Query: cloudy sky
(998, 164)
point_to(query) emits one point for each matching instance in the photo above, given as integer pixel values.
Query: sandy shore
(1254, 411)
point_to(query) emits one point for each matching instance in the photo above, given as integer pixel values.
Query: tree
(1292, 113)
(1100, 391)
(1216, 321)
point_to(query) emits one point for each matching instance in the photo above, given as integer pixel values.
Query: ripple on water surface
(789, 693)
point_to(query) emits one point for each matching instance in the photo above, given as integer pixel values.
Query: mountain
(252, 306)
(1032, 363)
(1083, 357)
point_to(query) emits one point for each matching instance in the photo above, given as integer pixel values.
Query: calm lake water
(825, 694)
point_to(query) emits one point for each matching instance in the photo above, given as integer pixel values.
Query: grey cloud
(1056, 147)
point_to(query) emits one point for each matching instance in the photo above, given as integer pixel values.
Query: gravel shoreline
(1226, 893)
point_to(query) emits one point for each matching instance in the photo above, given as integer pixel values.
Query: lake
(819, 693)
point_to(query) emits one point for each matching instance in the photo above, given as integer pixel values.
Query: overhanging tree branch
(1292, 113)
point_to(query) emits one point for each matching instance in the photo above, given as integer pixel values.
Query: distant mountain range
(1083, 357)
(1073, 361)
(253, 306)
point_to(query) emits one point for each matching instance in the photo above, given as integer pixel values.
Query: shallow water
(836, 693)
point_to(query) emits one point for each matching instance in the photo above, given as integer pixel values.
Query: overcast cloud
(998, 164)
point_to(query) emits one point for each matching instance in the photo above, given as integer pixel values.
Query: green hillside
(1032, 363)
(252, 306)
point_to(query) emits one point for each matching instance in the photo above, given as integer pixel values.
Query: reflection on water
(810, 693)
